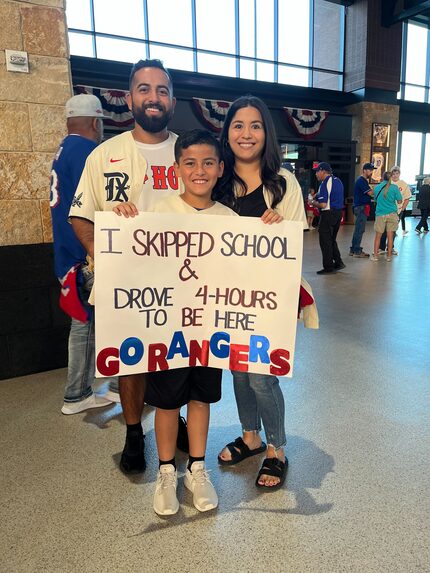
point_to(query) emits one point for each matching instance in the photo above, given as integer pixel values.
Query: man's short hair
(149, 64)
(196, 137)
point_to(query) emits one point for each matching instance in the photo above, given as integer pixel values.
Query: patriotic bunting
(211, 112)
(306, 122)
(114, 105)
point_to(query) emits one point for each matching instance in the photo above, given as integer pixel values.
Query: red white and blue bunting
(307, 123)
(114, 105)
(211, 112)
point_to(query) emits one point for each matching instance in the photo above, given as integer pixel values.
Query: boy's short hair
(149, 64)
(196, 137)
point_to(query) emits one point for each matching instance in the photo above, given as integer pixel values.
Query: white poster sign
(189, 290)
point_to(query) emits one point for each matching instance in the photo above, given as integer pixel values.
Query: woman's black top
(252, 204)
(424, 197)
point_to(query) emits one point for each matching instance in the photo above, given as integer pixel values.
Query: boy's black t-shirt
(253, 204)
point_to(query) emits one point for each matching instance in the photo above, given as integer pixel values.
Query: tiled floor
(356, 497)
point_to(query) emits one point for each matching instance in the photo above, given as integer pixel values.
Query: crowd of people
(239, 175)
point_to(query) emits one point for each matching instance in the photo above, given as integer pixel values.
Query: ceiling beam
(389, 18)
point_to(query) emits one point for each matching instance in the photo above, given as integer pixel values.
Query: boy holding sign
(198, 163)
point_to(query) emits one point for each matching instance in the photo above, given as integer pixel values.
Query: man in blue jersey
(85, 131)
(362, 199)
(329, 199)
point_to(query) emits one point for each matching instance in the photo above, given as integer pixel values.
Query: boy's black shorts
(170, 389)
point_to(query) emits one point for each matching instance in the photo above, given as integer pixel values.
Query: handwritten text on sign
(189, 290)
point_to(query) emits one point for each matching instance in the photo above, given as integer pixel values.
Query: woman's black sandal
(243, 453)
(275, 468)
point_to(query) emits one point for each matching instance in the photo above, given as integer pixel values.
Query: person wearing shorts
(387, 197)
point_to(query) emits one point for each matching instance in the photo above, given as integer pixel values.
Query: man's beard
(151, 124)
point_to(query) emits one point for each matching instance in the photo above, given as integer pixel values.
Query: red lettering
(239, 357)
(105, 367)
(280, 365)
(171, 177)
(159, 176)
(157, 357)
(200, 353)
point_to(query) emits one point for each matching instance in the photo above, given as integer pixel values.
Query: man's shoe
(418, 231)
(198, 482)
(113, 396)
(362, 255)
(93, 401)
(133, 455)
(340, 266)
(326, 272)
(182, 439)
(351, 254)
(165, 500)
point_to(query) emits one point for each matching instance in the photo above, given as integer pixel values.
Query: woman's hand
(127, 209)
(270, 216)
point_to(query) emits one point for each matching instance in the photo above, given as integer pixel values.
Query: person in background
(387, 198)
(311, 211)
(424, 206)
(362, 199)
(84, 115)
(330, 201)
(405, 190)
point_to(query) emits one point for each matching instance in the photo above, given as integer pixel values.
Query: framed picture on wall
(380, 161)
(381, 135)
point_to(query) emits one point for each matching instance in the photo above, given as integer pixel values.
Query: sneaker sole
(67, 412)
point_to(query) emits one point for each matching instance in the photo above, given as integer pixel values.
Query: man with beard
(134, 166)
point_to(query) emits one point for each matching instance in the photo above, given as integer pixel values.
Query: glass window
(173, 58)
(78, 14)
(215, 23)
(410, 155)
(415, 55)
(126, 20)
(293, 32)
(177, 28)
(81, 44)
(120, 50)
(247, 28)
(265, 72)
(265, 29)
(247, 69)
(293, 76)
(328, 35)
(414, 93)
(426, 168)
(218, 65)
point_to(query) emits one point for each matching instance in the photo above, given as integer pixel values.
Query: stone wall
(32, 119)
(33, 330)
(363, 115)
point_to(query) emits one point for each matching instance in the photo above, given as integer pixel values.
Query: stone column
(32, 121)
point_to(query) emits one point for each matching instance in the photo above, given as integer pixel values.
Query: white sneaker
(394, 252)
(198, 482)
(93, 401)
(112, 396)
(405, 233)
(165, 500)
(388, 259)
(374, 258)
(381, 252)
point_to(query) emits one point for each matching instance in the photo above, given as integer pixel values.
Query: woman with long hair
(255, 185)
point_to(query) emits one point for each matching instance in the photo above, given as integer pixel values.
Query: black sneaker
(182, 439)
(340, 266)
(133, 455)
(326, 272)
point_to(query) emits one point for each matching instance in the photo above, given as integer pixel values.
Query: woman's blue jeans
(259, 400)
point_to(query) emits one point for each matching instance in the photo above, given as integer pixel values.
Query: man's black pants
(328, 228)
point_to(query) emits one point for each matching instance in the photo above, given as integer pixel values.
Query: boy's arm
(128, 209)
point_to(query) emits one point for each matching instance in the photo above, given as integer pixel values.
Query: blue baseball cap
(323, 166)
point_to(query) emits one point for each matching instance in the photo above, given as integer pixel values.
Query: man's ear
(128, 100)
